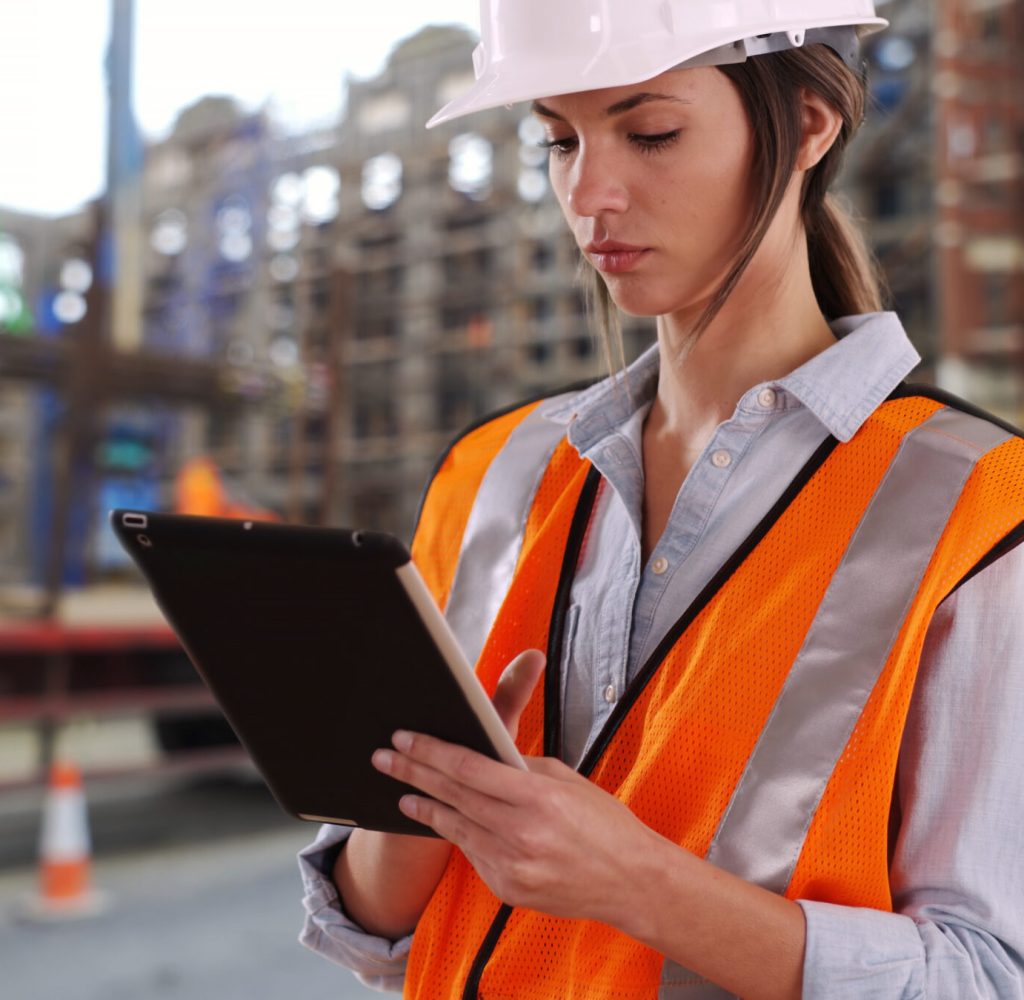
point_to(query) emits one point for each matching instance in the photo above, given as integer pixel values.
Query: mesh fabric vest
(678, 745)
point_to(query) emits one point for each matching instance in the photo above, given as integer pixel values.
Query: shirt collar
(846, 383)
(604, 407)
(842, 386)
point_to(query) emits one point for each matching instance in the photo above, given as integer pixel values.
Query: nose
(596, 186)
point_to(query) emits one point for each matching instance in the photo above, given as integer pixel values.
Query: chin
(650, 299)
(633, 302)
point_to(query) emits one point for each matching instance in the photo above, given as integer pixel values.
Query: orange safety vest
(763, 734)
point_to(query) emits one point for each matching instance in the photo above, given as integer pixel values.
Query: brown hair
(844, 275)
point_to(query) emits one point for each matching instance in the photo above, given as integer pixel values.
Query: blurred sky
(293, 54)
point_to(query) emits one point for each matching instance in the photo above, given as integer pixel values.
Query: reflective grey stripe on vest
(846, 648)
(494, 532)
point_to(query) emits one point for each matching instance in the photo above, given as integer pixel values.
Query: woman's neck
(769, 326)
(700, 383)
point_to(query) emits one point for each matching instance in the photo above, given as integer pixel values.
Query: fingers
(552, 767)
(445, 821)
(450, 773)
(516, 685)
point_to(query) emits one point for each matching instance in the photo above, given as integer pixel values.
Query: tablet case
(311, 647)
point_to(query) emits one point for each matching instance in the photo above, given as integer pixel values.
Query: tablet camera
(145, 541)
(357, 539)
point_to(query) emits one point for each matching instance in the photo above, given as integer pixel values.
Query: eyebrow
(620, 107)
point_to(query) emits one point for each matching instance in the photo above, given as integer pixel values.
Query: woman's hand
(386, 879)
(515, 686)
(546, 839)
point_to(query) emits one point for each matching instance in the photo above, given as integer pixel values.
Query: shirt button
(610, 694)
(721, 459)
(659, 566)
(767, 398)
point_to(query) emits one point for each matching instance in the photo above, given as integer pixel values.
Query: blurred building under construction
(321, 314)
(304, 322)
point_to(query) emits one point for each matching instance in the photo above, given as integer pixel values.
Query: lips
(612, 257)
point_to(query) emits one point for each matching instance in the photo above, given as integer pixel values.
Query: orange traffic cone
(65, 881)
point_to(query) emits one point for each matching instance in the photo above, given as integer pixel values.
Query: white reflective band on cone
(531, 49)
(65, 835)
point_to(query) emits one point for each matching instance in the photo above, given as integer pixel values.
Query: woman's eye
(560, 147)
(646, 143)
(654, 143)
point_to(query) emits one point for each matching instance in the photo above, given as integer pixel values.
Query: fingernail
(382, 759)
(402, 740)
(409, 804)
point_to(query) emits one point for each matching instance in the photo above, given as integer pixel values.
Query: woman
(774, 753)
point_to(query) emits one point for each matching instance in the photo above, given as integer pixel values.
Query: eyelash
(562, 148)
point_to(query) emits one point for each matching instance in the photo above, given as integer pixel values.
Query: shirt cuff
(852, 953)
(328, 930)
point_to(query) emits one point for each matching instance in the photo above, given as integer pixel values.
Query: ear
(821, 124)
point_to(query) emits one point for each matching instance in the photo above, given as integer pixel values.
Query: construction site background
(261, 324)
(307, 320)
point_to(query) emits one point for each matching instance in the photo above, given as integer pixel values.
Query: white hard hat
(540, 48)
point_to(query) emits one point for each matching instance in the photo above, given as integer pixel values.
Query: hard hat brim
(495, 88)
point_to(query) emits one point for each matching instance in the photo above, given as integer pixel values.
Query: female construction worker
(777, 749)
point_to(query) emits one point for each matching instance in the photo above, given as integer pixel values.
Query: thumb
(516, 685)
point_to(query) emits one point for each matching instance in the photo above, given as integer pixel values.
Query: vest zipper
(483, 956)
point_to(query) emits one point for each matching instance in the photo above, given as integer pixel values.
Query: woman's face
(654, 183)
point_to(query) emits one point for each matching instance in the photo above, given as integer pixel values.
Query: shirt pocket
(572, 621)
(569, 680)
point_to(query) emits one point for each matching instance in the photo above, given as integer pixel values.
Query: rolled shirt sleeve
(328, 930)
(958, 869)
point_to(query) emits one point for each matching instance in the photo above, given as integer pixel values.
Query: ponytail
(843, 271)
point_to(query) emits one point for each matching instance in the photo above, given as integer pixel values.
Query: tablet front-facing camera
(145, 541)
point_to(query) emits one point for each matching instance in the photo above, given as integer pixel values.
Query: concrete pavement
(191, 919)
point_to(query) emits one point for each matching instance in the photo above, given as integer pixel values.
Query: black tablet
(317, 644)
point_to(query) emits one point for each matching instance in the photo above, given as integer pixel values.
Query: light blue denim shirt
(958, 871)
